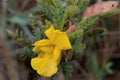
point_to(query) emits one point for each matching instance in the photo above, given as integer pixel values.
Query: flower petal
(36, 63)
(48, 49)
(57, 54)
(49, 69)
(58, 38)
(36, 49)
(44, 65)
(61, 40)
(50, 32)
(43, 42)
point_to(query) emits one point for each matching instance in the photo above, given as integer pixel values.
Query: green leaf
(70, 11)
(92, 20)
(57, 3)
(68, 75)
(86, 23)
(37, 34)
(18, 20)
(95, 63)
(96, 32)
(45, 8)
(27, 52)
(82, 4)
(99, 31)
(101, 73)
(109, 13)
(45, 12)
(78, 47)
(79, 40)
(71, 2)
(108, 67)
(76, 56)
(1, 17)
(76, 34)
(67, 68)
(48, 23)
(50, 2)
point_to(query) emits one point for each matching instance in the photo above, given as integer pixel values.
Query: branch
(71, 28)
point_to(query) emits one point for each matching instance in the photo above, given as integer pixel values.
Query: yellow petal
(45, 55)
(41, 55)
(40, 59)
(43, 42)
(61, 40)
(48, 49)
(49, 69)
(36, 49)
(58, 38)
(57, 54)
(49, 32)
(45, 65)
(35, 63)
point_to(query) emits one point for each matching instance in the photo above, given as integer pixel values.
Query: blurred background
(14, 19)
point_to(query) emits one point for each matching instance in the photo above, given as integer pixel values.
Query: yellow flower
(47, 61)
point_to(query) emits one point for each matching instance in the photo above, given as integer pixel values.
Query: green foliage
(0, 18)
(53, 11)
(67, 68)
(58, 14)
(71, 2)
(109, 13)
(76, 56)
(82, 4)
(44, 13)
(76, 34)
(70, 11)
(95, 63)
(27, 52)
(18, 20)
(49, 1)
(96, 32)
(86, 23)
(108, 69)
(99, 31)
(37, 34)
(90, 21)
(19, 37)
(78, 47)
(101, 71)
